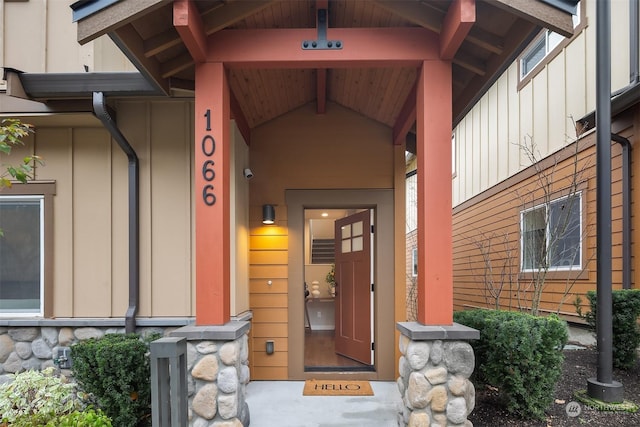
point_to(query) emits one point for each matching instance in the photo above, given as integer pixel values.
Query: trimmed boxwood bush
(626, 331)
(115, 369)
(519, 354)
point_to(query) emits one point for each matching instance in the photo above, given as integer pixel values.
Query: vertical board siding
(542, 110)
(92, 224)
(90, 209)
(171, 208)
(55, 145)
(493, 223)
(39, 36)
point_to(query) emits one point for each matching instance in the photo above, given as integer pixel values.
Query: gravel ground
(579, 365)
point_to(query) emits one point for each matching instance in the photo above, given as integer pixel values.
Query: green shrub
(115, 370)
(626, 332)
(519, 354)
(36, 397)
(87, 418)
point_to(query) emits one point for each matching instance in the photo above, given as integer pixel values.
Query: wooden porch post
(211, 192)
(435, 261)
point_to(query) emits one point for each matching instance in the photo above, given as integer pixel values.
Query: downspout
(626, 209)
(100, 110)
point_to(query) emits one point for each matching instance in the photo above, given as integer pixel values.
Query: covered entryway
(403, 70)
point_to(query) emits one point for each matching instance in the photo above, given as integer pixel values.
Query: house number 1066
(208, 146)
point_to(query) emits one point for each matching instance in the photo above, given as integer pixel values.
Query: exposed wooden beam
(470, 63)
(361, 47)
(432, 18)
(114, 17)
(414, 12)
(130, 43)
(213, 20)
(520, 34)
(175, 65)
(485, 40)
(406, 118)
(186, 20)
(220, 18)
(321, 90)
(456, 25)
(161, 42)
(321, 73)
(539, 13)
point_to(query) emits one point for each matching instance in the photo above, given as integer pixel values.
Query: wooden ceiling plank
(187, 22)
(131, 44)
(459, 19)
(115, 16)
(539, 13)
(161, 42)
(231, 13)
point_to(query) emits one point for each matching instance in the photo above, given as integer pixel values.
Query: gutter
(101, 112)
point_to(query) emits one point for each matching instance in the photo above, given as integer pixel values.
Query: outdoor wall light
(268, 214)
(270, 346)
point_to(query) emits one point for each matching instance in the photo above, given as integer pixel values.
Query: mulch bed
(579, 365)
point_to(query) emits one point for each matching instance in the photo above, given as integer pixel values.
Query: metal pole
(603, 387)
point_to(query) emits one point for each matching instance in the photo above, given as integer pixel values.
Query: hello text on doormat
(337, 388)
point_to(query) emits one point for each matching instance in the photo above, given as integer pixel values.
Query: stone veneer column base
(217, 374)
(435, 367)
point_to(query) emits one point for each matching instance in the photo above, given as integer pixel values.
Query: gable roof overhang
(144, 30)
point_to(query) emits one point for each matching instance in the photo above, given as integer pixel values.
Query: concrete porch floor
(281, 403)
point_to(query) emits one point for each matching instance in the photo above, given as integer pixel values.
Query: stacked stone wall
(218, 376)
(434, 377)
(218, 369)
(36, 347)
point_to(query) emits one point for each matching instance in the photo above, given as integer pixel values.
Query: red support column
(435, 250)
(211, 192)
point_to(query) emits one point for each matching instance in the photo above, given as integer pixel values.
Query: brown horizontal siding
(492, 220)
(268, 299)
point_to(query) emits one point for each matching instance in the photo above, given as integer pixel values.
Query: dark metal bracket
(322, 43)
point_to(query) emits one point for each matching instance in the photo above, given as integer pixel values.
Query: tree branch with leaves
(12, 133)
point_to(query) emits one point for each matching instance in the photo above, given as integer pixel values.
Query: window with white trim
(22, 255)
(542, 46)
(551, 235)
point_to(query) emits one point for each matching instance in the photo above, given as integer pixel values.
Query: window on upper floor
(551, 235)
(544, 46)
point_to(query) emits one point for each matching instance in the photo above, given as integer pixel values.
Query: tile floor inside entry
(281, 404)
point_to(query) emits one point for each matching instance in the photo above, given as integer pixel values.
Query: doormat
(337, 388)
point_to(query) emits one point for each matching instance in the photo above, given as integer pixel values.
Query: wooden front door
(353, 287)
